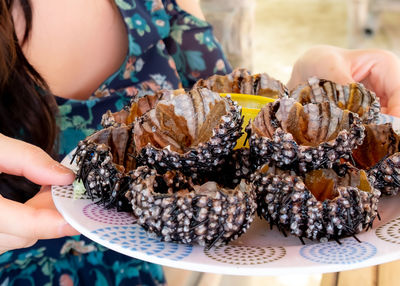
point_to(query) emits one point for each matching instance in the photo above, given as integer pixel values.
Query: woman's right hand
(377, 69)
(21, 225)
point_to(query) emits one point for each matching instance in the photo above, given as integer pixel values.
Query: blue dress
(168, 48)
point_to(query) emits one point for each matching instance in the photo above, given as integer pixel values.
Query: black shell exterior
(284, 200)
(282, 150)
(174, 210)
(354, 97)
(103, 174)
(386, 175)
(204, 157)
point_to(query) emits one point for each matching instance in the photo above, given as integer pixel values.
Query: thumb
(23, 159)
(29, 222)
(393, 105)
(324, 62)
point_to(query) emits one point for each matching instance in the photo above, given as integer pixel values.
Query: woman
(80, 64)
(94, 56)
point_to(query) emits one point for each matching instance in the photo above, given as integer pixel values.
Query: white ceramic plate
(260, 251)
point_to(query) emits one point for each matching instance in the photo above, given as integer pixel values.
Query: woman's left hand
(21, 225)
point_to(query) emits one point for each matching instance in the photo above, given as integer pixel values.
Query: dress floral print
(168, 49)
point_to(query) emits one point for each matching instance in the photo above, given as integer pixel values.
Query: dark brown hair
(27, 109)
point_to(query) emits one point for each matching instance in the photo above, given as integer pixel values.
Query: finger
(393, 106)
(367, 69)
(42, 200)
(379, 70)
(23, 159)
(26, 221)
(335, 67)
(10, 242)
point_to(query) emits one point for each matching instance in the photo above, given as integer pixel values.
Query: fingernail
(62, 169)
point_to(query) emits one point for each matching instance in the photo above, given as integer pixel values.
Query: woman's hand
(378, 70)
(21, 225)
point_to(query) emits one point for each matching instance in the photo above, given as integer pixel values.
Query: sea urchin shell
(303, 138)
(175, 209)
(353, 97)
(190, 132)
(241, 81)
(379, 155)
(104, 160)
(322, 204)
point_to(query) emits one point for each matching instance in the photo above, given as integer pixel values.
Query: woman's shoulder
(75, 45)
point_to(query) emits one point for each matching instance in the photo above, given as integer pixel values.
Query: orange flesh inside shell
(320, 186)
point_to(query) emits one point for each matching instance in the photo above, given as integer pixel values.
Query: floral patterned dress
(168, 48)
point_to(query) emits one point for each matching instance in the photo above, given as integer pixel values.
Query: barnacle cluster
(137, 107)
(353, 97)
(169, 158)
(379, 156)
(104, 161)
(205, 214)
(241, 81)
(157, 158)
(303, 137)
(191, 132)
(320, 204)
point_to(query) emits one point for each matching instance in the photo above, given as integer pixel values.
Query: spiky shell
(303, 138)
(380, 141)
(235, 167)
(378, 154)
(353, 97)
(386, 175)
(137, 107)
(241, 81)
(104, 160)
(173, 208)
(191, 132)
(286, 200)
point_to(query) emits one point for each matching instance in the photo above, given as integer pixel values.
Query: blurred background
(268, 36)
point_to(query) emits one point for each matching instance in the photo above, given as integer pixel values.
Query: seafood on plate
(353, 97)
(178, 208)
(303, 137)
(160, 165)
(320, 204)
(379, 156)
(242, 82)
(191, 132)
(104, 161)
(171, 159)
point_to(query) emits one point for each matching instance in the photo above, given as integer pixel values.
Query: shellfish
(320, 205)
(104, 161)
(379, 155)
(353, 97)
(241, 81)
(191, 132)
(303, 137)
(175, 208)
(137, 107)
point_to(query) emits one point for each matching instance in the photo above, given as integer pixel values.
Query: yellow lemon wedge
(251, 105)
